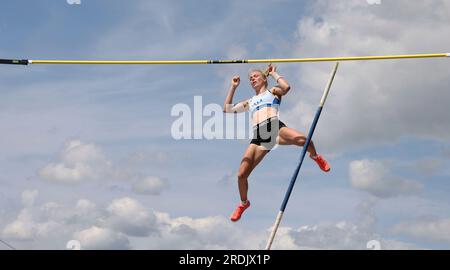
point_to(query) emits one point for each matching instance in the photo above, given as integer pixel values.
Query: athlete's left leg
(289, 136)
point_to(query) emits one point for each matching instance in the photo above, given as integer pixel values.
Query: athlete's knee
(300, 140)
(242, 175)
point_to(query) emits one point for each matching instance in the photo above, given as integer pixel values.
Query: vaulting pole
(302, 157)
(200, 62)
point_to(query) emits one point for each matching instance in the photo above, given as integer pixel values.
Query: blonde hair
(265, 73)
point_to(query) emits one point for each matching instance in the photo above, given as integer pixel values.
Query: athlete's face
(257, 79)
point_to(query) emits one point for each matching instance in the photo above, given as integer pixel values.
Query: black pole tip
(14, 61)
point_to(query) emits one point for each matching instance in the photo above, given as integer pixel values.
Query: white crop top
(266, 99)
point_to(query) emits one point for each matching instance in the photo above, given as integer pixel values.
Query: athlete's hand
(271, 69)
(235, 81)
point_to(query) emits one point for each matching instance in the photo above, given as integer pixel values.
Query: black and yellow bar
(199, 62)
(14, 62)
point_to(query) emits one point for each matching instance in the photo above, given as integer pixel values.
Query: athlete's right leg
(253, 155)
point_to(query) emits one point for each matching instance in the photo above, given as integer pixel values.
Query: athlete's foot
(239, 210)
(323, 164)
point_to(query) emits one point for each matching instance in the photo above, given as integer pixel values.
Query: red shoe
(323, 164)
(239, 210)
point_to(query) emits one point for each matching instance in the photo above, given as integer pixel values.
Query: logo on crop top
(257, 102)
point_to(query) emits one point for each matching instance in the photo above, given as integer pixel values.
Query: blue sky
(87, 151)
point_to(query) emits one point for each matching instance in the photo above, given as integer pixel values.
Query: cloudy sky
(87, 152)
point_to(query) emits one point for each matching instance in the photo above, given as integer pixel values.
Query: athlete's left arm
(283, 86)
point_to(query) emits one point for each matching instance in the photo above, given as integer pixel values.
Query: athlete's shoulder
(275, 91)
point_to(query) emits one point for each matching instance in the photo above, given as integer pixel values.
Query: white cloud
(49, 219)
(129, 216)
(79, 162)
(430, 230)
(123, 217)
(375, 177)
(85, 205)
(150, 185)
(125, 223)
(21, 229)
(339, 235)
(374, 2)
(213, 232)
(84, 211)
(334, 236)
(101, 238)
(82, 162)
(73, 2)
(26, 228)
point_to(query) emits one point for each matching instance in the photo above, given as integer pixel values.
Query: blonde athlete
(268, 130)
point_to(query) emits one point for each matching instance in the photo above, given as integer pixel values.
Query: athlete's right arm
(228, 106)
(236, 108)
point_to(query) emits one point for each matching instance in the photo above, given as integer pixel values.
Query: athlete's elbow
(286, 89)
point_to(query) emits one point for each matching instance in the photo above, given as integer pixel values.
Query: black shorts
(266, 132)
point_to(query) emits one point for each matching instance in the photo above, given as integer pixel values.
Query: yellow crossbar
(250, 61)
(199, 62)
